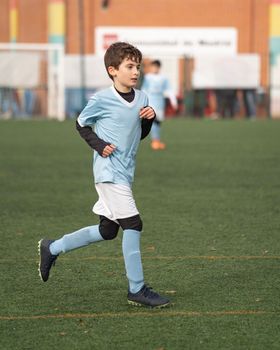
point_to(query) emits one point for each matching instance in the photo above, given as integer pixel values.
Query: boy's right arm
(88, 117)
(93, 140)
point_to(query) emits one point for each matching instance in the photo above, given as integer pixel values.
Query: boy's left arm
(147, 114)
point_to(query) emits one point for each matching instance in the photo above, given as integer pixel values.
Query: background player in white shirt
(157, 87)
(121, 117)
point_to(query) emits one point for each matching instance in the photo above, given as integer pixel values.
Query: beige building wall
(249, 17)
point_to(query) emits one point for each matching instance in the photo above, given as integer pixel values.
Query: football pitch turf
(211, 209)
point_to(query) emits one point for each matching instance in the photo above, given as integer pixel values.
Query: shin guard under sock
(75, 240)
(132, 259)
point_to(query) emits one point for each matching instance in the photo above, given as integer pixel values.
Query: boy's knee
(108, 229)
(132, 223)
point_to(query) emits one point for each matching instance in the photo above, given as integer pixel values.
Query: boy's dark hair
(156, 63)
(117, 52)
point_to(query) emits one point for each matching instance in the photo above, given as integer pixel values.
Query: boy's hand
(108, 150)
(147, 113)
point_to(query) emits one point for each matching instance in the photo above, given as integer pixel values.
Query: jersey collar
(121, 99)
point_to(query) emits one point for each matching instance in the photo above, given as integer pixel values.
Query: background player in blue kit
(121, 117)
(157, 87)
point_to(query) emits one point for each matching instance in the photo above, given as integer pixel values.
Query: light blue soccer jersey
(155, 86)
(115, 121)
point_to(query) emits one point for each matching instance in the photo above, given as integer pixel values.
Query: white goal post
(38, 68)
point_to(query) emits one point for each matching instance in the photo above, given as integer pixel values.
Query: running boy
(157, 87)
(121, 117)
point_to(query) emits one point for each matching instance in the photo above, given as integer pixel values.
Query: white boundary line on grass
(160, 257)
(154, 313)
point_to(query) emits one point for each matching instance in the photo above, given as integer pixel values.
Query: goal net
(32, 81)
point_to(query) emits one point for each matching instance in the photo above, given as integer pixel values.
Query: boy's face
(154, 69)
(126, 76)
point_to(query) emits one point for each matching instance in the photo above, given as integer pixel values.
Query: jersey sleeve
(91, 138)
(146, 124)
(170, 94)
(90, 113)
(144, 86)
(166, 85)
(146, 99)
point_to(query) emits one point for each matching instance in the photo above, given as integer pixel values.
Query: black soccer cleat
(47, 260)
(147, 297)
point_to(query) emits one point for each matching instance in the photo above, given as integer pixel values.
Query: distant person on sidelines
(121, 117)
(157, 87)
(250, 103)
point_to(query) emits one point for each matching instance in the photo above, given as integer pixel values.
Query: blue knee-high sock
(132, 259)
(75, 240)
(155, 131)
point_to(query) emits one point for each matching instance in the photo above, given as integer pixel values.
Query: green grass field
(211, 210)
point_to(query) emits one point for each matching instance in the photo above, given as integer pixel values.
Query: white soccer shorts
(115, 201)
